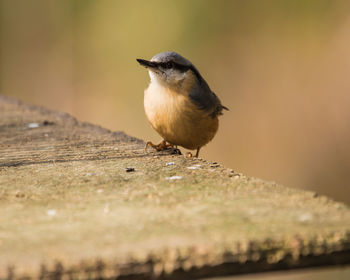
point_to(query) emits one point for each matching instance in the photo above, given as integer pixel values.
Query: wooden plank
(69, 209)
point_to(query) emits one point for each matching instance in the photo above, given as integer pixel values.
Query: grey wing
(208, 101)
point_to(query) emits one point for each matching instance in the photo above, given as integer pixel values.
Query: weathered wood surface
(70, 210)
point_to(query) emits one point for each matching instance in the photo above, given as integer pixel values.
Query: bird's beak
(147, 64)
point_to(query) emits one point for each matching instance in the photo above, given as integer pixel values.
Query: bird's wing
(208, 101)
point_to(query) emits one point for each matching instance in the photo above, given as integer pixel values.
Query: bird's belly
(177, 120)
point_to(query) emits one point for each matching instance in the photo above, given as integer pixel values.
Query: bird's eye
(169, 65)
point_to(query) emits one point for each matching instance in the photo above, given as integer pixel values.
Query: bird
(179, 104)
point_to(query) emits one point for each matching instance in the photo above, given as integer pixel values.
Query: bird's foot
(160, 147)
(164, 146)
(189, 154)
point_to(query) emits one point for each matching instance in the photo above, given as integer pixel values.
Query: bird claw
(163, 146)
(160, 147)
(189, 154)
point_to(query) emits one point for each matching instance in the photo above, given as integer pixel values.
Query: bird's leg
(164, 146)
(197, 153)
(160, 147)
(189, 154)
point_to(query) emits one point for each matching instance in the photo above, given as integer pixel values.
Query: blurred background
(282, 67)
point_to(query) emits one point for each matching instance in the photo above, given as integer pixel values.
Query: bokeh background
(282, 67)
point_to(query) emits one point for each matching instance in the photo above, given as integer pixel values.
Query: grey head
(173, 70)
(170, 68)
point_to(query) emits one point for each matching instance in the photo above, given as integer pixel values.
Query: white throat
(175, 80)
(154, 78)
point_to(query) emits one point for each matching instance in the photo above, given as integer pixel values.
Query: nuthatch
(179, 104)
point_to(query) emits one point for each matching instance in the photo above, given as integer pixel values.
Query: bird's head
(171, 69)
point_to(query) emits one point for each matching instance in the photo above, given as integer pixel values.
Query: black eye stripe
(167, 65)
(182, 67)
(174, 65)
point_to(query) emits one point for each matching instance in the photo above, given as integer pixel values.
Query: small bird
(179, 104)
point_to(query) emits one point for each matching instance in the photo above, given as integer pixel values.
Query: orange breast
(174, 116)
